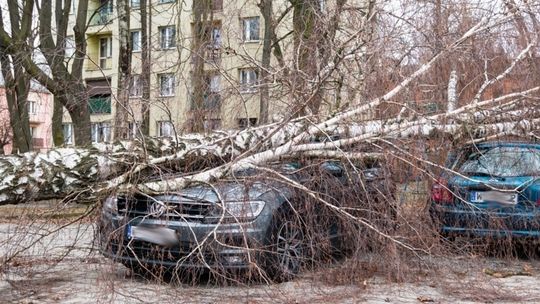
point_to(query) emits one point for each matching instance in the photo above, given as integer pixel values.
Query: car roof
(521, 144)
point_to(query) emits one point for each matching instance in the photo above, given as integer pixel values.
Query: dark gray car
(255, 221)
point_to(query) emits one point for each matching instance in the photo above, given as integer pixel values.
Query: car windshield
(502, 162)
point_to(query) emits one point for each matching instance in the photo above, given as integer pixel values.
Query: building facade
(232, 55)
(231, 70)
(39, 107)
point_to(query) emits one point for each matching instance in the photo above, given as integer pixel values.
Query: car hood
(224, 191)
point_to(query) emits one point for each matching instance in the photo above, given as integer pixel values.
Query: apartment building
(231, 57)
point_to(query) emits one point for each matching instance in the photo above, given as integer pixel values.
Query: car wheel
(287, 247)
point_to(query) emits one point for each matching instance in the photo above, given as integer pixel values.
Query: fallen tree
(68, 173)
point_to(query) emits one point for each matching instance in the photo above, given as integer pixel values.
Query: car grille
(185, 210)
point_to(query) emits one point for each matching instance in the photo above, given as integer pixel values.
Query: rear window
(501, 162)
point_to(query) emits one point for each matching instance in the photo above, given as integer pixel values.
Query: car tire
(286, 244)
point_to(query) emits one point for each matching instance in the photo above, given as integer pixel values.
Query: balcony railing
(211, 102)
(99, 105)
(102, 16)
(212, 54)
(99, 64)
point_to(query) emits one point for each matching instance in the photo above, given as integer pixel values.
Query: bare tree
(16, 81)
(65, 80)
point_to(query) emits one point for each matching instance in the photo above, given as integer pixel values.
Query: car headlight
(243, 210)
(111, 204)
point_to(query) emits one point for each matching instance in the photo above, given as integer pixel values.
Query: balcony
(212, 55)
(211, 102)
(99, 105)
(98, 65)
(102, 16)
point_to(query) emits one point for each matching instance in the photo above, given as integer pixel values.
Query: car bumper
(199, 246)
(459, 221)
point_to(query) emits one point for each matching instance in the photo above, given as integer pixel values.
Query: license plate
(508, 198)
(157, 235)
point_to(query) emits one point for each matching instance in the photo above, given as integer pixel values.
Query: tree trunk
(146, 31)
(57, 123)
(124, 71)
(266, 10)
(199, 90)
(80, 115)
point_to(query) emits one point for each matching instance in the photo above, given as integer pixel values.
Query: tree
(146, 42)
(209, 158)
(16, 81)
(63, 79)
(124, 70)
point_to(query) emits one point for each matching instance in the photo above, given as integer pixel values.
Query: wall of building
(40, 114)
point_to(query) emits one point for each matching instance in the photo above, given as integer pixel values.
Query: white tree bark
(452, 94)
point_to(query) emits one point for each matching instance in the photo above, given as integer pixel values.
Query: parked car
(492, 189)
(254, 218)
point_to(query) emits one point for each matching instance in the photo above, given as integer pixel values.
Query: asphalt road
(42, 263)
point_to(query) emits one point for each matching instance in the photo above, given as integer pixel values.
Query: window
(244, 123)
(135, 3)
(69, 46)
(105, 53)
(215, 37)
(136, 42)
(32, 107)
(101, 132)
(166, 1)
(133, 129)
(68, 133)
(167, 37)
(322, 5)
(166, 84)
(250, 29)
(33, 132)
(165, 128)
(248, 80)
(213, 83)
(135, 86)
(106, 6)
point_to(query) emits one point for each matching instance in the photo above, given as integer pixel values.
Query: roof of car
(523, 144)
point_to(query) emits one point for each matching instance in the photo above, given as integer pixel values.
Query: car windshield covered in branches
(266, 222)
(492, 189)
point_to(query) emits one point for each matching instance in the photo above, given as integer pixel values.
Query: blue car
(491, 189)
